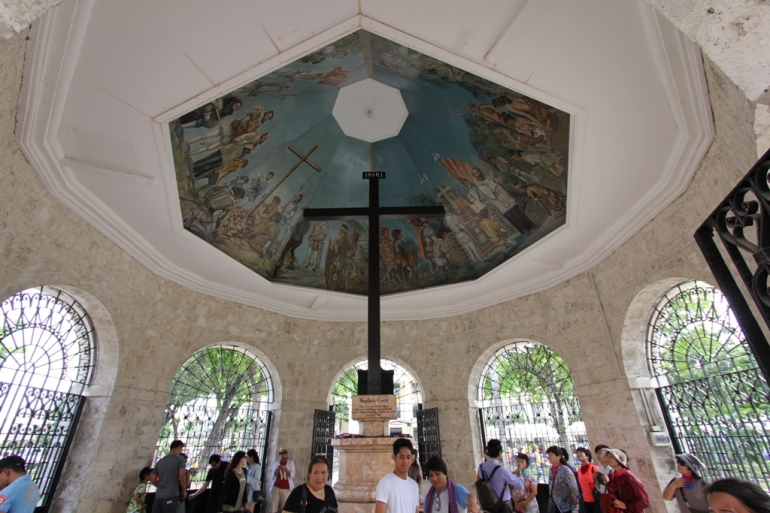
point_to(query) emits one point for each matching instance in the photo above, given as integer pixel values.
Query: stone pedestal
(363, 462)
(367, 459)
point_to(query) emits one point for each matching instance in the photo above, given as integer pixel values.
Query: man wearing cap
(172, 480)
(18, 493)
(282, 471)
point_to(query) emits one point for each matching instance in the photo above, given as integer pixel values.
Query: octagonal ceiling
(109, 85)
(248, 162)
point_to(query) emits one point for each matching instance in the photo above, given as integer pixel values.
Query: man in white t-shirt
(397, 492)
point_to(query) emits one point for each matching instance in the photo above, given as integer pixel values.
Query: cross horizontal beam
(347, 214)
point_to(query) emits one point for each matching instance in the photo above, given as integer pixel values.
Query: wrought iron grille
(526, 393)
(218, 405)
(323, 432)
(715, 399)
(405, 387)
(428, 437)
(741, 223)
(47, 344)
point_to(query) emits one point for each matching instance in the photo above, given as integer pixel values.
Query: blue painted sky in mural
(227, 166)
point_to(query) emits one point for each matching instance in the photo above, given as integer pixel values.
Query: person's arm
(138, 499)
(202, 489)
(183, 483)
(532, 494)
(289, 469)
(473, 503)
(380, 507)
(670, 491)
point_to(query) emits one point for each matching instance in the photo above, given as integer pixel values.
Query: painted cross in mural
(390, 251)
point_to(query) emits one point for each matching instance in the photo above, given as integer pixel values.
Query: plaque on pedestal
(374, 407)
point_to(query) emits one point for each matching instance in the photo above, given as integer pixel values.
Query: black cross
(373, 213)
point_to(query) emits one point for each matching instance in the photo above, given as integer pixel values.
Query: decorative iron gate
(323, 432)
(428, 436)
(218, 405)
(713, 396)
(527, 402)
(47, 345)
(742, 224)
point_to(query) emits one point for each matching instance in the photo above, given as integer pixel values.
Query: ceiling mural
(250, 161)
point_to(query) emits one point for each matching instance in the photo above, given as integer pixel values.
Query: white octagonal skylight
(370, 110)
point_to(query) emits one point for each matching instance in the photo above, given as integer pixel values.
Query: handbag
(257, 497)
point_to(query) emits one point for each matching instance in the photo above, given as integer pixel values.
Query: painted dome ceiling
(548, 135)
(249, 162)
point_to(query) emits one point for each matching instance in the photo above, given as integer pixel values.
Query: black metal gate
(39, 426)
(323, 432)
(428, 436)
(742, 224)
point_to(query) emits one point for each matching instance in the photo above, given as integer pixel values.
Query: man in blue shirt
(502, 478)
(18, 493)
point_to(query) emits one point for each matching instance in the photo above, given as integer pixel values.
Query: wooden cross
(302, 158)
(373, 213)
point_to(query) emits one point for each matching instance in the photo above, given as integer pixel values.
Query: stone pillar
(364, 460)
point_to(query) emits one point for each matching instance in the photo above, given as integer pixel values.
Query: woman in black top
(319, 496)
(234, 490)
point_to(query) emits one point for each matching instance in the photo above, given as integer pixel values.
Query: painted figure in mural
(554, 203)
(316, 240)
(426, 240)
(291, 215)
(496, 195)
(266, 227)
(542, 117)
(212, 113)
(459, 204)
(404, 257)
(550, 160)
(207, 213)
(256, 186)
(475, 199)
(449, 248)
(387, 254)
(237, 149)
(456, 225)
(243, 132)
(296, 236)
(339, 260)
(493, 228)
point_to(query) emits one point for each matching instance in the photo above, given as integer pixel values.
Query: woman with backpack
(689, 489)
(525, 499)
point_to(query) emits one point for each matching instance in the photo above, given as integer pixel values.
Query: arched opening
(406, 388)
(219, 405)
(713, 397)
(47, 359)
(526, 399)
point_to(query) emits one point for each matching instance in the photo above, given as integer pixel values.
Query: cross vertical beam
(373, 214)
(374, 376)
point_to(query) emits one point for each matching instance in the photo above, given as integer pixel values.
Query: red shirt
(586, 481)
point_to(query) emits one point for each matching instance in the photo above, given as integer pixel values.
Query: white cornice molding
(52, 53)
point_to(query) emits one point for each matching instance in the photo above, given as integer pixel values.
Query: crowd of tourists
(604, 486)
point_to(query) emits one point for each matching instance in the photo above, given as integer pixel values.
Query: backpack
(488, 499)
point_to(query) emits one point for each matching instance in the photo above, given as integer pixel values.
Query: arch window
(218, 405)
(405, 387)
(714, 398)
(527, 401)
(47, 350)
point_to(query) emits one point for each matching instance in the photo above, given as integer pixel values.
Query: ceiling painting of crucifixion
(248, 162)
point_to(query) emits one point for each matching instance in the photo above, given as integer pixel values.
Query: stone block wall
(158, 324)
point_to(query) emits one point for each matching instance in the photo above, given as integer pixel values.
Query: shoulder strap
(505, 485)
(303, 500)
(482, 473)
